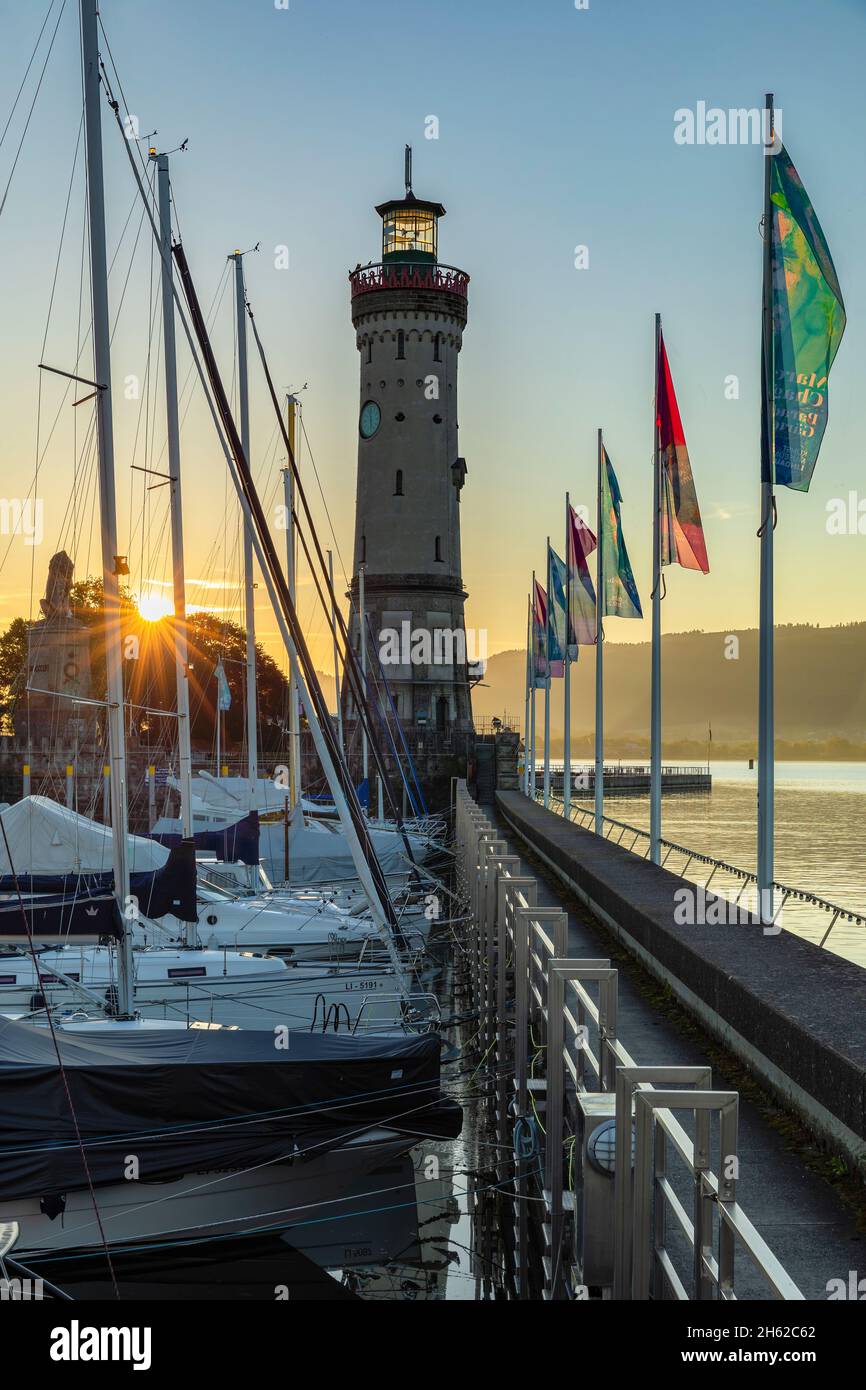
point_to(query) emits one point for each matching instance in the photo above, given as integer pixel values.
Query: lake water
(820, 838)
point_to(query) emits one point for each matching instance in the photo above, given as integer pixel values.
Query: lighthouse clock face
(370, 419)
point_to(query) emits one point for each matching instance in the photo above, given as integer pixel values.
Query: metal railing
(409, 275)
(783, 893)
(518, 953)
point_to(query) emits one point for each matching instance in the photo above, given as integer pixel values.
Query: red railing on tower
(409, 275)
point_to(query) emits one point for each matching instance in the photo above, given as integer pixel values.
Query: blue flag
(620, 598)
(556, 612)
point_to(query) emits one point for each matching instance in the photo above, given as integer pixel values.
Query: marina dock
(624, 779)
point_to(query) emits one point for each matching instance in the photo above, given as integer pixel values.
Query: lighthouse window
(369, 349)
(437, 340)
(407, 229)
(438, 547)
(398, 483)
(363, 550)
(401, 343)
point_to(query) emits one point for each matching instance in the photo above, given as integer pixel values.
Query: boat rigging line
(331, 608)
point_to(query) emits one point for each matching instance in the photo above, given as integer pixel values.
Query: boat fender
(53, 1206)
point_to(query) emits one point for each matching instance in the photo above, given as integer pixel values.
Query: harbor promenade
(751, 1012)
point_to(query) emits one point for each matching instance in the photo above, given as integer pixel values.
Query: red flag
(682, 535)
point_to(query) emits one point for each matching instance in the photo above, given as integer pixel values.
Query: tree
(149, 669)
(13, 667)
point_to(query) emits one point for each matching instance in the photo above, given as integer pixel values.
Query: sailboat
(318, 852)
(83, 1097)
(198, 1130)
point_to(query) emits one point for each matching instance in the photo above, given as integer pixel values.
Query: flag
(682, 535)
(224, 695)
(581, 594)
(808, 323)
(539, 638)
(620, 598)
(556, 615)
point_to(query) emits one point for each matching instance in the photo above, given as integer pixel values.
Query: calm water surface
(820, 838)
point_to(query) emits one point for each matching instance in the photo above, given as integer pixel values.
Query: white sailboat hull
(232, 991)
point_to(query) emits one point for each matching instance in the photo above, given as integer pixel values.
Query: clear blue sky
(555, 129)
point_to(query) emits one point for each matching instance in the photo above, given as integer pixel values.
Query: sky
(555, 131)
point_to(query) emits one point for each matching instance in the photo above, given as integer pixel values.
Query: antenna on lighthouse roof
(408, 170)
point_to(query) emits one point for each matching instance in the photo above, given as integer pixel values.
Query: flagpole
(766, 737)
(528, 689)
(547, 687)
(566, 687)
(599, 662)
(656, 679)
(532, 763)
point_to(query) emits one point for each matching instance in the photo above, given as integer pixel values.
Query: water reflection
(820, 839)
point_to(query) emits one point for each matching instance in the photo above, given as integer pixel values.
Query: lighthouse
(409, 311)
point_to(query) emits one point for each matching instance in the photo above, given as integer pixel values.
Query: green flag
(808, 323)
(620, 598)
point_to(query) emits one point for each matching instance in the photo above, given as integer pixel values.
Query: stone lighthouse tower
(409, 312)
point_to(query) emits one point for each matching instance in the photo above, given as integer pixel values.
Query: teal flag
(808, 323)
(224, 694)
(620, 598)
(556, 612)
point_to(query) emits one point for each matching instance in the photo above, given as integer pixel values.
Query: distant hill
(820, 693)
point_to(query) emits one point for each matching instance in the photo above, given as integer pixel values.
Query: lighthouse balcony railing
(409, 275)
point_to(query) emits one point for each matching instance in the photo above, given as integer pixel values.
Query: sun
(153, 606)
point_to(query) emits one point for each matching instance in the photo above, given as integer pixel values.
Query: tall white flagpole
(547, 688)
(528, 698)
(766, 734)
(599, 661)
(566, 688)
(656, 679)
(532, 716)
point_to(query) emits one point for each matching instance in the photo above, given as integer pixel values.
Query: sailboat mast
(181, 650)
(340, 737)
(113, 565)
(249, 585)
(181, 654)
(291, 575)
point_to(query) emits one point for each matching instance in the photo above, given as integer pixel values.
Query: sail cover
(235, 843)
(184, 1099)
(47, 848)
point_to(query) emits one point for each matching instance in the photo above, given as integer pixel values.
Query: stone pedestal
(58, 670)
